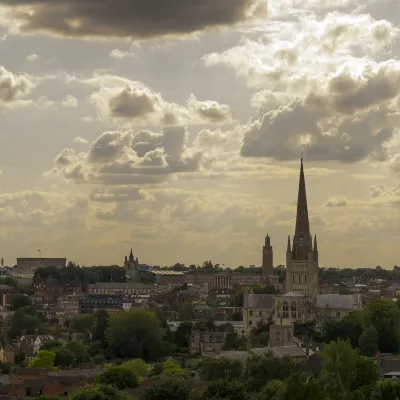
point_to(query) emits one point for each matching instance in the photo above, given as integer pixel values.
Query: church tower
(302, 255)
(267, 258)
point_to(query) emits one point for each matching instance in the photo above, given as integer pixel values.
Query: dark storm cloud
(130, 18)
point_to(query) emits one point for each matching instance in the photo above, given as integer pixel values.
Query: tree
(339, 369)
(273, 390)
(186, 312)
(138, 367)
(25, 319)
(230, 390)
(134, 333)
(79, 350)
(44, 359)
(220, 369)
(51, 345)
(369, 341)
(349, 328)
(82, 323)
(100, 326)
(233, 342)
(99, 392)
(182, 334)
(118, 377)
(19, 301)
(64, 357)
(384, 315)
(171, 368)
(263, 369)
(386, 389)
(346, 371)
(302, 387)
(167, 388)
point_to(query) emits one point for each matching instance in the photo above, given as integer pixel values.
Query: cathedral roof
(335, 301)
(262, 301)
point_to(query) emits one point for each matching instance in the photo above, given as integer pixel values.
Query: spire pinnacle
(315, 243)
(302, 240)
(302, 222)
(288, 244)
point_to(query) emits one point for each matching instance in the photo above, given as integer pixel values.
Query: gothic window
(293, 310)
(305, 278)
(293, 278)
(299, 278)
(285, 309)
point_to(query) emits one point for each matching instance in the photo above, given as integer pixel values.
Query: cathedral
(302, 256)
(302, 301)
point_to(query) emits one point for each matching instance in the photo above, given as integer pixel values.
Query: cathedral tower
(302, 256)
(267, 258)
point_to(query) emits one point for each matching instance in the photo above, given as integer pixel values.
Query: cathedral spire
(288, 244)
(302, 222)
(315, 243)
(131, 257)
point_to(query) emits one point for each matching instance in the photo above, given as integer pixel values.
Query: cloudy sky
(175, 127)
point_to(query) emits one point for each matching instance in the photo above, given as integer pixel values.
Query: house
(7, 354)
(31, 344)
(206, 343)
(40, 382)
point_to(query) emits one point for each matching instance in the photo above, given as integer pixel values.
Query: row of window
(298, 278)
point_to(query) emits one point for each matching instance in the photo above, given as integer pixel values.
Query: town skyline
(183, 139)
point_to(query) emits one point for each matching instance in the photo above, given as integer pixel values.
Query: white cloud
(70, 101)
(117, 53)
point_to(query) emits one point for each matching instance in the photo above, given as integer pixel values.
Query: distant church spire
(131, 258)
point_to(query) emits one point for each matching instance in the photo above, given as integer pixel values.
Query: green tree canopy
(64, 357)
(384, 315)
(79, 350)
(100, 326)
(82, 323)
(138, 367)
(346, 371)
(168, 388)
(229, 390)
(118, 377)
(44, 359)
(220, 369)
(182, 334)
(349, 328)
(134, 333)
(369, 341)
(99, 392)
(263, 369)
(19, 301)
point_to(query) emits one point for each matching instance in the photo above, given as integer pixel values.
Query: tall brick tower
(267, 258)
(302, 257)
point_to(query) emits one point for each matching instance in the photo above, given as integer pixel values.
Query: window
(293, 278)
(305, 278)
(251, 313)
(285, 309)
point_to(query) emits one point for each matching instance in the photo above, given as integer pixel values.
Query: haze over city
(179, 131)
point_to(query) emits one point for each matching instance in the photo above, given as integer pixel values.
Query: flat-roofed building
(30, 265)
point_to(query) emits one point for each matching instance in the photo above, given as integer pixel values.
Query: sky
(176, 128)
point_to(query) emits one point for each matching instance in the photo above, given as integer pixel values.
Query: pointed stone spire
(131, 258)
(302, 222)
(315, 243)
(288, 244)
(302, 240)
